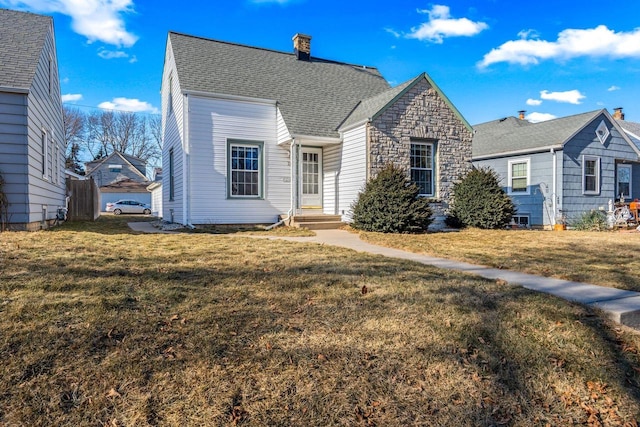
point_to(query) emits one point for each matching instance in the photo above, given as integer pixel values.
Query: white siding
(156, 201)
(283, 132)
(353, 170)
(212, 122)
(173, 138)
(330, 170)
(44, 109)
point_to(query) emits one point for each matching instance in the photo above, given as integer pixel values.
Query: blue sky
(491, 59)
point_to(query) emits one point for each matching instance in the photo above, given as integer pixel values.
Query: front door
(311, 178)
(623, 185)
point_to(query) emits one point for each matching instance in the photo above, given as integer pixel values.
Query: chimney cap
(304, 36)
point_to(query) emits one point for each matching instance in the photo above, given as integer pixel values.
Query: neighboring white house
(251, 134)
(155, 188)
(32, 146)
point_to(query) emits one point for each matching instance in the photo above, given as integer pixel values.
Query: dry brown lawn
(103, 327)
(602, 258)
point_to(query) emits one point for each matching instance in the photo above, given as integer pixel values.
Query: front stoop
(316, 221)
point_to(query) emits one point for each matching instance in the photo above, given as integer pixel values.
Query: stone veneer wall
(422, 114)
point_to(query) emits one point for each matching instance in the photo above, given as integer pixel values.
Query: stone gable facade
(422, 115)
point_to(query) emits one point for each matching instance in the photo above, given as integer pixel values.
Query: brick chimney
(618, 114)
(521, 114)
(302, 46)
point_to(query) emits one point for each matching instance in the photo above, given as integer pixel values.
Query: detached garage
(125, 189)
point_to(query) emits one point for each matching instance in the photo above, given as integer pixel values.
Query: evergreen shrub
(479, 201)
(390, 204)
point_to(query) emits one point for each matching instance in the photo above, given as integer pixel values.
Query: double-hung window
(245, 172)
(519, 176)
(590, 175)
(422, 166)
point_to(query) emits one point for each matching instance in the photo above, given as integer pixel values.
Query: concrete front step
(324, 225)
(316, 221)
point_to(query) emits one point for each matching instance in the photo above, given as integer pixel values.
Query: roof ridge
(266, 49)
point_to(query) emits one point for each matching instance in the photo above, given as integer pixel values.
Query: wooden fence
(84, 200)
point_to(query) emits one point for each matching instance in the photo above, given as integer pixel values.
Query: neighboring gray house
(560, 168)
(119, 176)
(32, 145)
(251, 134)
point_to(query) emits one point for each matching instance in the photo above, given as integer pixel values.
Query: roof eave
(433, 84)
(535, 150)
(14, 89)
(229, 97)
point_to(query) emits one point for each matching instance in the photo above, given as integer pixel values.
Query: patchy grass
(602, 258)
(102, 326)
(257, 230)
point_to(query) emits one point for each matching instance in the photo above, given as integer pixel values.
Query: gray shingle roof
(510, 134)
(633, 131)
(314, 96)
(22, 37)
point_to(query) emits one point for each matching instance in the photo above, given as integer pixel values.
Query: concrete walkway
(621, 306)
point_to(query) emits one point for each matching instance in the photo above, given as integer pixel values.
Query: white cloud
(128, 104)
(571, 43)
(613, 88)
(539, 117)
(534, 102)
(393, 32)
(112, 54)
(65, 80)
(97, 20)
(71, 97)
(440, 26)
(569, 96)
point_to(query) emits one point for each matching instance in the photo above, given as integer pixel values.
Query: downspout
(290, 212)
(554, 173)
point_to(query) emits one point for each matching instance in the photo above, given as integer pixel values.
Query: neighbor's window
(521, 220)
(115, 168)
(422, 165)
(519, 176)
(171, 179)
(590, 175)
(245, 169)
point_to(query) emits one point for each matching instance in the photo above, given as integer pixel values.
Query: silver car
(128, 207)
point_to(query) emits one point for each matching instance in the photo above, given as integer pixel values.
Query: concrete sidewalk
(619, 305)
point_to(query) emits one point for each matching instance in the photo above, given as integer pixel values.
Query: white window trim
(626, 166)
(513, 217)
(584, 181)
(247, 144)
(432, 169)
(510, 177)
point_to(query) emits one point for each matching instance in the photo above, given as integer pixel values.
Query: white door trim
(310, 174)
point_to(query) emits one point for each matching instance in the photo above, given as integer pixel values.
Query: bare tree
(102, 132)
(74, 132)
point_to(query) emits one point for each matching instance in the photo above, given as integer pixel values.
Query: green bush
(479, 201)
(591, 221)
(390, 204)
